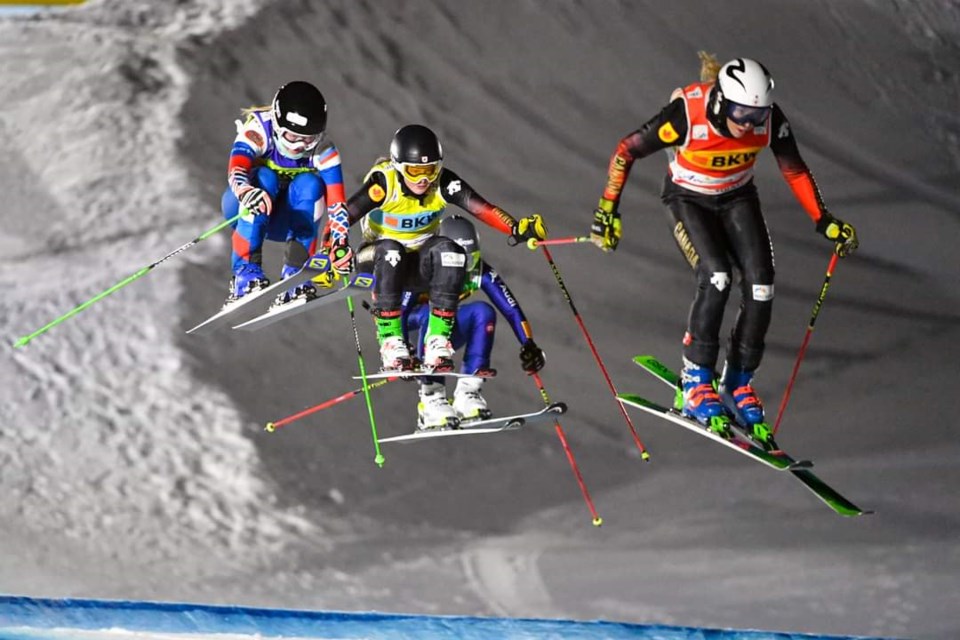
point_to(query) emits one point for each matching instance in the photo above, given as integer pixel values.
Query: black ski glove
(531, 357)
(840, 232)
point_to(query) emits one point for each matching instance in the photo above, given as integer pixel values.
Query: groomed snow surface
(133, 461)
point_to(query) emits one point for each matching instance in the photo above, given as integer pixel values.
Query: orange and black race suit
(716, 217)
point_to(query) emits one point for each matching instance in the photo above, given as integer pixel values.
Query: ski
(824, 492)
(256, 302)
(491, 425)
(358, 283)
(734, 441)
(672, 379)
(416, 373)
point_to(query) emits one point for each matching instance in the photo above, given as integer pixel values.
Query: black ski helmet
(415, 144)
(299, 107)
(462, 231)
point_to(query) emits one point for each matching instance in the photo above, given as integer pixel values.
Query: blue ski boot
(304, 290)
(741, 400)
(246, 279)
(698, 399)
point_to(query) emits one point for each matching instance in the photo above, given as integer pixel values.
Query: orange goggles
(417, 172)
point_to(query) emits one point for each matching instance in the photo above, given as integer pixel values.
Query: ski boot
(395, 355)
(434, 411)
(741, 400)
(437, 348)
(438, 354)
(305, 290)
(469, 404)
(246, 279)
(697, 398)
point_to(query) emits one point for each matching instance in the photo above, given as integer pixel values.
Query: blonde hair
(249, 111)
(709, 66)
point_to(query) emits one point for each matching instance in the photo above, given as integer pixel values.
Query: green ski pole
(379, 459)
(139, 274)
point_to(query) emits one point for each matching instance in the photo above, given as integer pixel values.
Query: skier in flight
(399, 208)
(474, 331)
(281, 169)
(713, 131)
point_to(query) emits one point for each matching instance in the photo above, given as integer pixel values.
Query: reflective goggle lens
(473, 259)
(742, 115)
(418, 172)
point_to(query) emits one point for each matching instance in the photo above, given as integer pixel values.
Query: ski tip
(598, 521)
(22, 342)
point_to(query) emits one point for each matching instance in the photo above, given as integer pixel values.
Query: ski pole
(533, 243)
(379, 459)
(644, 455)
(273, 426)
(806, 339)
(139, 274)
(597, 520)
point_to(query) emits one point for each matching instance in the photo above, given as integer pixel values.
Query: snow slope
(132, 457)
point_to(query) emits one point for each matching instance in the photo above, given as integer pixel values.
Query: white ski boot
(395, 355)
(468, 402)
(434, 410)
(438, 353)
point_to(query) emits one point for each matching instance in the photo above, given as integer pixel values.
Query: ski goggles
(429, 171)
(473, 260)
(299, 141)
(744, 115)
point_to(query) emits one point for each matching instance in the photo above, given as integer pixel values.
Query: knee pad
(389, 252)
(719, 280)
(443, 265)
(388, 261)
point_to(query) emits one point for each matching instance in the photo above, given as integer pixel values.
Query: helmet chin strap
(718, 122)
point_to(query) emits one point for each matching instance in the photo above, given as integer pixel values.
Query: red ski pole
(806, 339)
(566, 294)
(273, 426)
(597, 520)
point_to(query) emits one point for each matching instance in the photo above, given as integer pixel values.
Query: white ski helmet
(746, 82)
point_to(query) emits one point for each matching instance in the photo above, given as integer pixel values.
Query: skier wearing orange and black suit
(713, 132)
